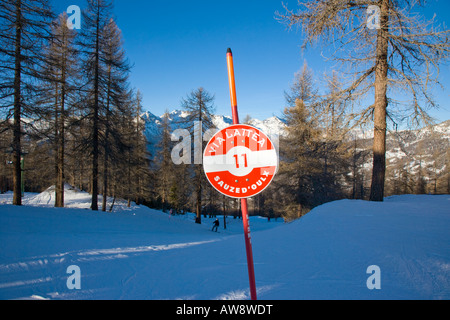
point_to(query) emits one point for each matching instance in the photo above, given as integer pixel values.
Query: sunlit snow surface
(139, 253)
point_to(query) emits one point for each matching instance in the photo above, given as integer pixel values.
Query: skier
(216, 225)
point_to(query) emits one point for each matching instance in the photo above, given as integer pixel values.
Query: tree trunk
(95, 136)
(57, 154)
(199, 199)
(381, 103)
(106, 156)
(224, 212)
(59, 133)
(17, 197)
(61, 148)
(199, 171)
(105, 181)
(60, 128)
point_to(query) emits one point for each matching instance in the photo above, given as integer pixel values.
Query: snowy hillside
(413, 152)
(140, 253)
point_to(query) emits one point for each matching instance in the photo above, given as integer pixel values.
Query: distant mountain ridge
(412, 155)
(271, 126)
(423, 152)
(277, 126)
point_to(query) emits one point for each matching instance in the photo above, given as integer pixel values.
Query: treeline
(68, 111)
(69, 115)
(321, 157)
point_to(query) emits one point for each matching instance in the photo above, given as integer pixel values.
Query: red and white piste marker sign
(240, 161)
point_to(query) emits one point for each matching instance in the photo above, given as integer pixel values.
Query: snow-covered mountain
(177, 120)
(277, 126)
(411, 150)
(399, 144)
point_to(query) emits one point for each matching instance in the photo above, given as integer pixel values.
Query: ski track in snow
(92, 255)
(41, 264)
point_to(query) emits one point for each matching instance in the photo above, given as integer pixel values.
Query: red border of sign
(272, 169)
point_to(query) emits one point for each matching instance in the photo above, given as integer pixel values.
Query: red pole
(248, 248)
(232, 86)
(248, 240)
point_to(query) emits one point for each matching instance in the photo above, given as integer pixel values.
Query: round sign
(240, 161)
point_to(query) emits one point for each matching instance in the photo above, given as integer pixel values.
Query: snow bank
(73, 198)
(326, 254)
(145, 254)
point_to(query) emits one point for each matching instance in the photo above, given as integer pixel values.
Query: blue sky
(177, 46)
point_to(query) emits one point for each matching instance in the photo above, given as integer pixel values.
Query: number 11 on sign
(244, 157)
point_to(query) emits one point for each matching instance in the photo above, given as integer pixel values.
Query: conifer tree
(144, 178)
(58, 94)
(199, 105)
(167, 188)
(23, 32)
(114, 102)
(299, 169)
(95, 18)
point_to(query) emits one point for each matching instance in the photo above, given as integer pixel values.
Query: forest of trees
(68, 112)
(70, 115)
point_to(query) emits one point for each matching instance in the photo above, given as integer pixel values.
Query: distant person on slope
(216, 225)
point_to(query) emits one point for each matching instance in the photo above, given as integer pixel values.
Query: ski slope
(139, 253)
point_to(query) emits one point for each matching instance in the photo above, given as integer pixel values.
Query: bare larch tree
(400, 57)
(23, 31)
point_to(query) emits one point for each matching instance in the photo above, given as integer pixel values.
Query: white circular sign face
(240, 161)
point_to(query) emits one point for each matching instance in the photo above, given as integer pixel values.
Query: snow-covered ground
(139, 253)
